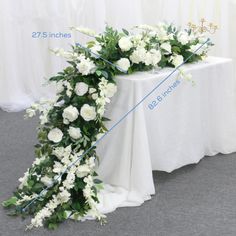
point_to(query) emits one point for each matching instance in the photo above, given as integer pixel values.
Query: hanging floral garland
(62, 182)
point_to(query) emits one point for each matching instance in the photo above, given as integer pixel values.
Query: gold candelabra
(203, 27)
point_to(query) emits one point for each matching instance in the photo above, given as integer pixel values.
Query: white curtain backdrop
(25, 62)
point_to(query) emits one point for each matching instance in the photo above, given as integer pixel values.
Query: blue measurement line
(116, 124)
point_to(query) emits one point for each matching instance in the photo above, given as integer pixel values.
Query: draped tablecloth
(178, 124)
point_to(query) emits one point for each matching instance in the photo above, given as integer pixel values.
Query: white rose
(70, 114)
(46, 181)
(156, 56)
(74, 133)
(183, 37)
(166, 46)
(81, 88)
(152, 57)
(110, 90)
(138, 55)
(55, 135)
(88, 112)
(86, 67)
(123, 64)
(59, 87)
(125, 44)
(177, 60)
(148, 59)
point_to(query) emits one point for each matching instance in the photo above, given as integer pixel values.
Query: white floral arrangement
(62, 182)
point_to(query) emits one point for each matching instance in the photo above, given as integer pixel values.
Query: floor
(196, 200)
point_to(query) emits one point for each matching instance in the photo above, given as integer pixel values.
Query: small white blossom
(46, 181)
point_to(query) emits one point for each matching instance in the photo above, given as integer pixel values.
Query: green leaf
(52, 226)
(10, 202)
(125, 31)
(97, 181)
(98, 72)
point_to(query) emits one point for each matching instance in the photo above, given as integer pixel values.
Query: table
(177, 125)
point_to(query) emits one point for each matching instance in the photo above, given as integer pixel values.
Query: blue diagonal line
(116, 124)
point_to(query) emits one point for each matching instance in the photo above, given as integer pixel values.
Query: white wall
(25, 61)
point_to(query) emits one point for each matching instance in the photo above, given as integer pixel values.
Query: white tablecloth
(189, 123)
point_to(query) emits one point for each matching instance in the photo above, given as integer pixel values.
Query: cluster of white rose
(138, 42)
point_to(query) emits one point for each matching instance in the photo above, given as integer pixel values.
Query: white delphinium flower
(55, 135)
(74, 133)
(81, 88)
(68, 183)
(138, 55)
(90, 162)
(176, 60)
(145, 27)
(58, 152)
(58, 51)
(86, 66)
(110, 90)
(43, 118)
(82, 171)
(89, 194)
(23, 180)
(46, 180)
(37, 161)
(123, 64)
(30, 112)
(69, 88)
(99, 135)
(125, 44)
(70, 114)
(64, 195)
(166, 46)
(58, 167)
(88, 112)
(84, 30)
